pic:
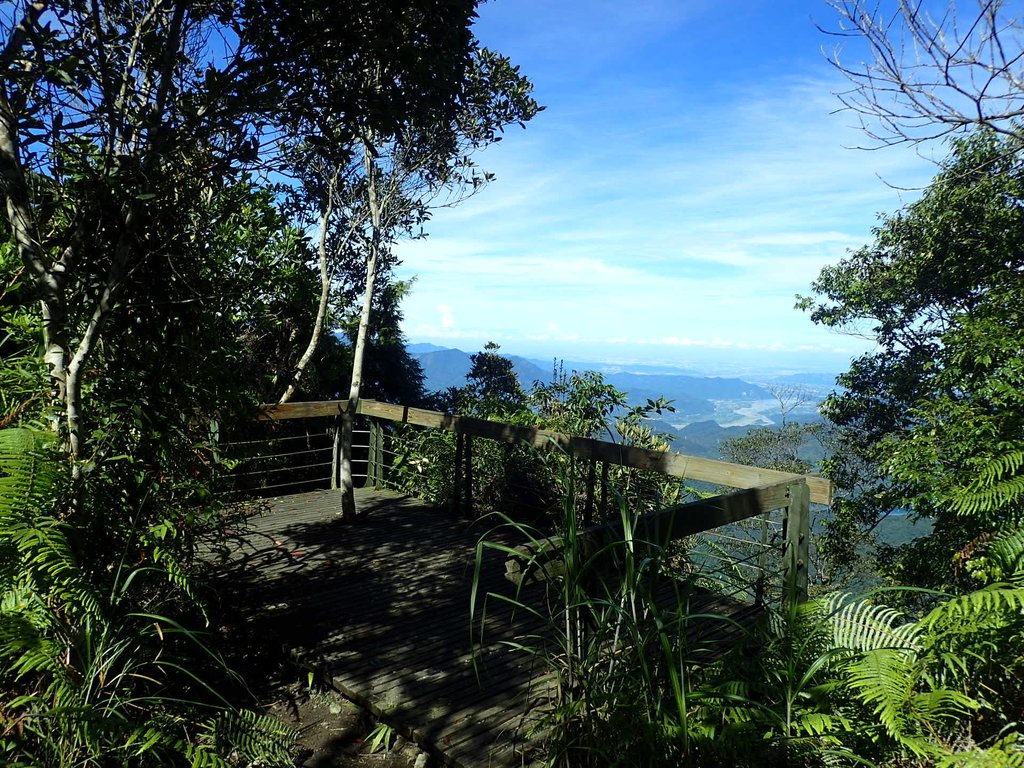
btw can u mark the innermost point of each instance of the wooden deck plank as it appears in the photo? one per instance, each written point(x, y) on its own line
point(381, 608)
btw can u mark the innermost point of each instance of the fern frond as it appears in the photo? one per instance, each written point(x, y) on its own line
point(26, 475)
point(256, 738)
point(819, 724)
point(48, 562)
point(984, 758)
point(941, 703)
point(176, 574)
point(964, 615)
point(999, 483)
point(37, 541)
point(861, 625)
point(25, 648)
point(884, 679)
point(989, 498)
point(1007, 463)
point(203, 756)
point(1003, 559)
point(1007, 752)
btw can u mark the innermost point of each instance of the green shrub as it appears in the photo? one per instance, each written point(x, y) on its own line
point(838, 680)
point(95, 667)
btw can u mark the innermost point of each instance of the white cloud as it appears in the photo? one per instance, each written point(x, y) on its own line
point(447, 317)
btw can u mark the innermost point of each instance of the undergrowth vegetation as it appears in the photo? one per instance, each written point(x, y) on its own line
point(109, 666)
point(527, 484)
point(636, 673)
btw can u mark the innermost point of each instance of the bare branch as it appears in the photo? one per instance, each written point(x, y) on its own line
point(928, 77)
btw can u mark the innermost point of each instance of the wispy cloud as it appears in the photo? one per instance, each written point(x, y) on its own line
point(640, 215)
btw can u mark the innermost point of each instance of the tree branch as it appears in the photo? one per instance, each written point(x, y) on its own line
point(929, 78)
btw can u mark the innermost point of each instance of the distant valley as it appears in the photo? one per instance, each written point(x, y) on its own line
point(708, 409)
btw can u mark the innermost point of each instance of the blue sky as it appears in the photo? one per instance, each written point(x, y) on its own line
point(688, 177)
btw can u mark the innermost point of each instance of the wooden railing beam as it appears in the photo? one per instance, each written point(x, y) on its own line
point(666, 462)
point(659, 528)
point(765, 489)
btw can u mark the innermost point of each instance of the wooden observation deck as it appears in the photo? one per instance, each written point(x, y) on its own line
point(381, 607)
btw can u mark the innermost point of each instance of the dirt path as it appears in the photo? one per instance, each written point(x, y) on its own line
point(335, 732)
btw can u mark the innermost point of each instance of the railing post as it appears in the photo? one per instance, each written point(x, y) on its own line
point(467, 475)
point(604, 490)
point(588, 510)
point(375, 459)
point(462, 486)
point(798, 515)
point(215, 439)
point(335, 453)
point(762, 561)
point(460, 443)
point(382, 463)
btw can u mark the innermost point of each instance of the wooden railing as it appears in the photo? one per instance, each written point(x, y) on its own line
point(666, 462)
point(762, 491)
point(539, 559)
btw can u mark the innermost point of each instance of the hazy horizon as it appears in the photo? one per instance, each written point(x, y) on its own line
point(736, 362)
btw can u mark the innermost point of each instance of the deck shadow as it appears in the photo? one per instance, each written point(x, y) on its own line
point(381, 607)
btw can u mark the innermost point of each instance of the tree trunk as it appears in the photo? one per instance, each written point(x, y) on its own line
point(49, 280)
point(325, 293)
point(348, 500)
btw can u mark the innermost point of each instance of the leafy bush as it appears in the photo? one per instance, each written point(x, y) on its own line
point(94, 672)
point(523, 482)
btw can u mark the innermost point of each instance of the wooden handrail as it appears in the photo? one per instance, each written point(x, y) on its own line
point(540, 559)
point(667, 462)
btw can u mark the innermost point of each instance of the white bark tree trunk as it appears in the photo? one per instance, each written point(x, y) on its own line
point(65, 360)
point(348, 501)
point(325, 293)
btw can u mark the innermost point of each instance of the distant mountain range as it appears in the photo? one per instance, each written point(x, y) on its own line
point(708, 409)
point(701, 402)
point(693, 396)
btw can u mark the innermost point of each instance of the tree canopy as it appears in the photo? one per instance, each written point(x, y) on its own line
point(156, 281)
point(931, 420)
point(119, 122)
